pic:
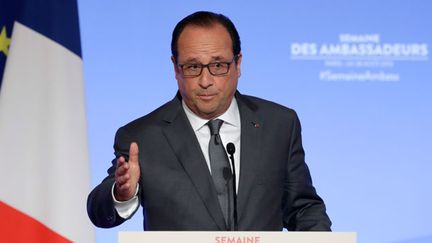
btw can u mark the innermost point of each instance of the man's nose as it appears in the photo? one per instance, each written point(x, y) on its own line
point(206, 79)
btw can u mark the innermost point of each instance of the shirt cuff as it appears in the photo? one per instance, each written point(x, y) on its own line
point(126, 209)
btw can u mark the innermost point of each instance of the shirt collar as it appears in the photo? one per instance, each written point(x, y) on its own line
point(231, 116)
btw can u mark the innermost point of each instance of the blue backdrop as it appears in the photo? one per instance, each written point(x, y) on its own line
point(357, 72)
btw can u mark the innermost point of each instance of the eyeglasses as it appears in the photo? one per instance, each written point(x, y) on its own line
point(215, 68)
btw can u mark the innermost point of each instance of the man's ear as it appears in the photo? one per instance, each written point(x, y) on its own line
point(238, 64)
point(176, 68)
point(173, 60)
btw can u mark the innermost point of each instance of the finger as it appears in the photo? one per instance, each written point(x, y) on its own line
point(120, 161)
point(122, 168)
point(123, 188)
point(133, 153)
point(122, 179)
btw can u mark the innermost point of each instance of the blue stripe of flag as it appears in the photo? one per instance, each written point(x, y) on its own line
point(55, 19)
point(7, 17)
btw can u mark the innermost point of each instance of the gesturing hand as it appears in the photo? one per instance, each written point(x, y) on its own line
point(127, 175)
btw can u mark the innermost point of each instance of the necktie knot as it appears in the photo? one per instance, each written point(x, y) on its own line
point(215, 126)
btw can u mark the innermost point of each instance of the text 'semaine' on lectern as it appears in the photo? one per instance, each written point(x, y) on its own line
point(236, 237)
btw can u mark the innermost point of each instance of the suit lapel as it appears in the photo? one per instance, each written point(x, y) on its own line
point(251, 131)
point(181, 136)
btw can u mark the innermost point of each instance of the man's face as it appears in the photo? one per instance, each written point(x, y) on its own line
point(207, 96)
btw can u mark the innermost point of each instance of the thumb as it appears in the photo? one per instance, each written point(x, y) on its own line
point(133, 153)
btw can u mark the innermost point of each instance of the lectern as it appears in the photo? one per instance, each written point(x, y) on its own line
point(236, 237)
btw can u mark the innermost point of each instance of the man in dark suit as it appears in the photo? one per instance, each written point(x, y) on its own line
point(180, 176)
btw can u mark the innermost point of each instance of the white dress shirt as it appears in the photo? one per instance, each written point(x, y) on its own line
point(230, 131)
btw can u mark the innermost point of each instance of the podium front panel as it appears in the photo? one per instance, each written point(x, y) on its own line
point(236, 237)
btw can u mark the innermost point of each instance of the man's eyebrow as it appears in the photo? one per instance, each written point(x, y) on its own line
point(218, 58)
point(197, 60)
point(192, 59)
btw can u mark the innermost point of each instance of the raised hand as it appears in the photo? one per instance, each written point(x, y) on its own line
point(127, 175)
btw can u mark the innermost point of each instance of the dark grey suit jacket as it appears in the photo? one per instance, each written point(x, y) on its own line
point(176, 188)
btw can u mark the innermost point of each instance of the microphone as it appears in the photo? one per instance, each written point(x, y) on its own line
point(231, 150)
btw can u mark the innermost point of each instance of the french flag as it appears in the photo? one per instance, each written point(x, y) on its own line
point(44, 165)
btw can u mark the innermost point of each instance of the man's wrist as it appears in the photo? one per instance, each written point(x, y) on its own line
point(119, 200)
point(126, 209)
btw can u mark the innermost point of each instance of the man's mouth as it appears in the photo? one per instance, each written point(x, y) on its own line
point(206, 96)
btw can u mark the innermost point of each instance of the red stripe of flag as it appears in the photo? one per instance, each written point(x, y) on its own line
point(17, 227)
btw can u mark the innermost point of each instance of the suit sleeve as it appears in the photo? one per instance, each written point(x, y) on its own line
point(100, 204)
point(303, 209)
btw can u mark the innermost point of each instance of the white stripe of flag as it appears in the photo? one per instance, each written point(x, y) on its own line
point(43, 141)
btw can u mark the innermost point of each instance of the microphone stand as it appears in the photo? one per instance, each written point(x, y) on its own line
point(231, 151)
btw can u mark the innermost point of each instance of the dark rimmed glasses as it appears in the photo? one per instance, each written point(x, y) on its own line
point(191, 70)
